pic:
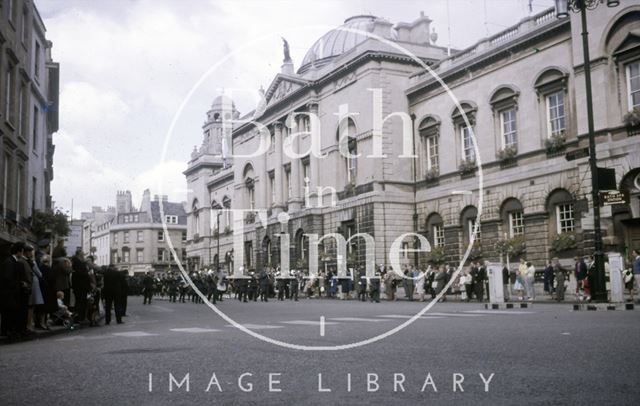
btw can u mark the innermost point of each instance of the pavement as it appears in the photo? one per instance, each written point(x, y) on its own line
point(457, 353)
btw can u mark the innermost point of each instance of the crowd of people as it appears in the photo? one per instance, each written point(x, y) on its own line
point(37, 291)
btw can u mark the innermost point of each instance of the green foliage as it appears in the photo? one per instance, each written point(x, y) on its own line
point(476, 251)
point(632, 118)
point(563, 242)
point(46, 223)
point(436, 256)
point(555, 143)
point(507, 153)
point(467, 167)
point(515, 246)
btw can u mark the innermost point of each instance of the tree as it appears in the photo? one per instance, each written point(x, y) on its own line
point(47, 223)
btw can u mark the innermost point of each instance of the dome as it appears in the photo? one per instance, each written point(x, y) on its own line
point(344, 38)
point(223, 102)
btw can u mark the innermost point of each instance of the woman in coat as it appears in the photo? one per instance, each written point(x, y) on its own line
point(561, 275)
point(441, 282)
point(62, 271)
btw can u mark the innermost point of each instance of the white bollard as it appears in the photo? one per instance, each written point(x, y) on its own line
point(616, 265)
point(496, 288)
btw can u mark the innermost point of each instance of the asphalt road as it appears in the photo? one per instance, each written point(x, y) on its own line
point(543, 355)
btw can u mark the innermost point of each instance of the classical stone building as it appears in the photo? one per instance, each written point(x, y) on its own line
point(134, 239)
point(520, 96)
point(29, 85)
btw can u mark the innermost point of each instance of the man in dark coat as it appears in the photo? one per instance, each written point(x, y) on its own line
point(362, 285)
point(480, 280)
point(147, 284)
point(374, 289)
point(114, 291)
point(580, 273)
point(13, 288)
point(264, 286)
point(253, 287)
point(81, 284)
point(294, 287)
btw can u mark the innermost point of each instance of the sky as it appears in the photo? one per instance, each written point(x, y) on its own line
point(132, 68)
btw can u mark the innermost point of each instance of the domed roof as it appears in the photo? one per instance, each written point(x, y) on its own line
point(342, 39)
point(223, 102)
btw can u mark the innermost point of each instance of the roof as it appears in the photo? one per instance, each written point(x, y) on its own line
point(169, 209)
point(343, 39)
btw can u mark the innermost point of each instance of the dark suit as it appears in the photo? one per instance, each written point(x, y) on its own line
point(81, 284)
point(114, 291)
point(10, 295)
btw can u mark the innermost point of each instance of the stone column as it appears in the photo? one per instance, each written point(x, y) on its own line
point(536, 230)
point(314, 175)
point(296, 177)
point(279, 171)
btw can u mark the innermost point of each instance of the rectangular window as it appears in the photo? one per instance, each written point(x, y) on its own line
point(139, 236)
point(34, 138)
point(633, 84)
point(405, 250)
point(272, 145)
point(8, 98)
point(468, 152)
point(139, 256)
point(21, 102)
point(160, 236)
point(161, 255)
point(509, 129)
point(287, 178)
point(115, 238)
point(125, 237)
point(352, 244)
point(516, 223)
point(431, 146)
point(556, 113)
point(272, 187)
point(24, 31)
point(248, 253)
point(564, 216)
point(184, 236)
point(34, 190)
point(5, 183)
point(352, 163)
point(438, 235)
point(125, 256)
point(171, 219)
point(252, 198)
point(36, 64)
point(19, 192)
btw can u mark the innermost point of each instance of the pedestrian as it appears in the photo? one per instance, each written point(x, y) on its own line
point(62, 271)
point(518, 287)
point(80, 284)
point(147, 288)
point(441, 282)
point(635, 255)
point(560, 279)
point(529, 281)
point(468, 285)
point(362, 285)
point(419, 278)
point(389, 287)
point(264, 286)
point(294, 287)
point(36, 298)
point(12, 289)
point(481, 278)
point(506, 287)
point(580, 272)
point(374, 289)
point(113, 293)
point(548, 279)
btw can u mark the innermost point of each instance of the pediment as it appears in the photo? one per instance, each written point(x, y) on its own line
point(631, 41)
point(282, 86)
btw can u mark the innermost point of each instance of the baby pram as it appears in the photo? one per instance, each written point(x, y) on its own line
point(63, 318)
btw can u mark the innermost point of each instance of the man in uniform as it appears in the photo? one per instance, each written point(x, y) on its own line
point(264, 286)
point(253, 287)
point(362, 285)
point(294, 287)
point(374, 288)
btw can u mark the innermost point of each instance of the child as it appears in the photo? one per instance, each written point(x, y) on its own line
point(63, 312)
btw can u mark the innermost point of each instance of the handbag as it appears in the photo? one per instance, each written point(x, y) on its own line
point(434, 285)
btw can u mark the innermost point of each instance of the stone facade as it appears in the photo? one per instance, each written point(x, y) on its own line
point(519, 93)
point(29, 85)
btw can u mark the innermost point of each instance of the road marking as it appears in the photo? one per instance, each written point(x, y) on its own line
point(356, 319)
point(455, 315)
point(566, 334)
point(497, 312)
point(321, 326)
point(134, 334)
point(194, 330)
point(156, 308)
point(256, 326)
point(402, 316)
point(308, 322)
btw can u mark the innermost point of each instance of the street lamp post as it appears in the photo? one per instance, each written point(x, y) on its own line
point(598, 290)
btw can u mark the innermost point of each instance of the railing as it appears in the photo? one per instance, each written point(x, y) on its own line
point(544, 18)
point(504, 35)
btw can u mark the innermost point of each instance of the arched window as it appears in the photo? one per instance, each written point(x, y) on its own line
point(504, 102)
point(348, 147)
point(429, 130)
point(435, 229)
point(512, 215)
point(561, 207)
point(267, 248)
point(468, 220)
point(226, 204)
point(551, 86)
point(465, 129)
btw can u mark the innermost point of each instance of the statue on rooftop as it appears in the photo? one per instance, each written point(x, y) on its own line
point(285, 46)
